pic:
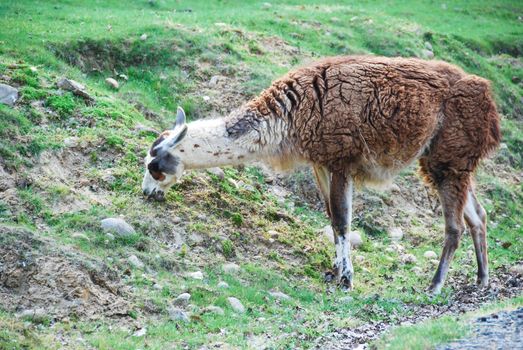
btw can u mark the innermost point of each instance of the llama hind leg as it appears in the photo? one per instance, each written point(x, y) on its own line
point(452, 194)
point(341, 216)
point(323, 179)
point(476, 219)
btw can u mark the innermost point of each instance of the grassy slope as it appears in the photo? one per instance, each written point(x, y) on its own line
point(185, 48)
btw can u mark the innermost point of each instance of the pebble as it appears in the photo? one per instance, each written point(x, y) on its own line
point(214, 80)
point(143, 37)
point(214, 310)
point(273, 234)
point(182, 299)
point(198, 275)
point(434, 262)
point(112, 83)
point(359, 258)
point(266, 5)
point(223, 285)
point(279, 295)
point(206, 98)
point(109, 236)
point(417, 270)
point(218, 172)
point(80, 236)
point(346, 299)
point(8, 94)
point(517, 269)
point(176, 314)
point(427, 54)
point(236, 305)
point(231, 268)
point(157, 286)
point(429, 254)
point(135, 262)
point(408, 259)
point(71, 142)
point(355, 239)
point(117, 226)
point(140, 333)
point(396, 233)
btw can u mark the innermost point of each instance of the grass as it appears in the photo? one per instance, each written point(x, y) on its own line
point(229, 219)
point(430, 334)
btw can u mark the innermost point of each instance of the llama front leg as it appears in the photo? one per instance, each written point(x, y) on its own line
point(341, 216)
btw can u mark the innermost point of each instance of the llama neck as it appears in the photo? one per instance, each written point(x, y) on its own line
point(208, 145)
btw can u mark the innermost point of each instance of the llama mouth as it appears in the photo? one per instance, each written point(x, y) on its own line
point(155, 195)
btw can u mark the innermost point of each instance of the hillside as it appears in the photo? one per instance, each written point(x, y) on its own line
point(71, 158)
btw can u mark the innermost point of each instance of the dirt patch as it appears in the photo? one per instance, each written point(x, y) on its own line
point(37, 278)
point(466, 297)
point(500, 330)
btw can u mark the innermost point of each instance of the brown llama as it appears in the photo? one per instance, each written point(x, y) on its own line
point(355, 120)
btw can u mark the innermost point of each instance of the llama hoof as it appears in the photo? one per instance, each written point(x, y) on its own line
point(345, 283)
point(434, 289)
point(483, 283)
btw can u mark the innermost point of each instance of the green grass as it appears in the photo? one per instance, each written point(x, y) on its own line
point(430, 334)
point(250, 44)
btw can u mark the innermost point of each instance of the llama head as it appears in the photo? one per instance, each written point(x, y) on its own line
point(162, 167)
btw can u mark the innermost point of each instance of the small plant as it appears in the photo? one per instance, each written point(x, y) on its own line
point(228, 248)
point(237, 219)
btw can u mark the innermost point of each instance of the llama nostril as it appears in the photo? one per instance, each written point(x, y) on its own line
point(145, 192)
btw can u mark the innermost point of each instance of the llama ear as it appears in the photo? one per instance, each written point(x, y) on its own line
point(170, 143)
point(180, 117)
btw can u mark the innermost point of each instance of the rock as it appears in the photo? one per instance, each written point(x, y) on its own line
point(157, 286)
point(279, 295)
point(142, 128)
point(117, 226)
point(123, 76)
point(329, 233)
point(517, 269)
point(135, 262)
point(182, 299)
point(109, 236)
point(394, 188)
point(359, 258)
point(218, 172)
point(176, 314)
point(427, 54)
point(143, 37)
point(355, 239)
point(112, 83)
point(429, 254)
point(236, 305)
point(223, 285)
point(214, 79)
point(8, 94)
point(33, 69)
point(273, 233)
point(396, 233)
point(75, 87)
point(428, 46)
point(35, 315)
point(140, 333)
point(79, 235)
point(266, 5)
point(434, 262)
point(206, 98)
point(214, 310)
point(346, 299)
point(408, 259)
point(231, 268)
point(417, 270)
point(71, 142)
point(198, 275)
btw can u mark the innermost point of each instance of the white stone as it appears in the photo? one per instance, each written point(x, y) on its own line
point(143, 37)
point(135, 262)
point(112, 83)
point(8, 94)
point(236, 305)
point(355, 239)
point(408, 259)
point(182, 299)
point(176, 314)
point(117, 226)
point(109, 236)
point(279, 295)
point(206, 98)
point(429, 254)
point(140, 333)
point(266, 5)
point(359, 258)
point(434, 262)
point(218, 172)
point(396, 233)
point(214, 310)
point(223, 285)
point(427, 54)
point(517, 269)
point(198, 275)
point(71, 142)
point(231, 268)
point(428, 46)
point(79, 235)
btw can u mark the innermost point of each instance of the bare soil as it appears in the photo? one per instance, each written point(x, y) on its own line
point(40, 279)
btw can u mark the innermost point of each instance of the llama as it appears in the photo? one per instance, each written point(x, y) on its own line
point(357, 120)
